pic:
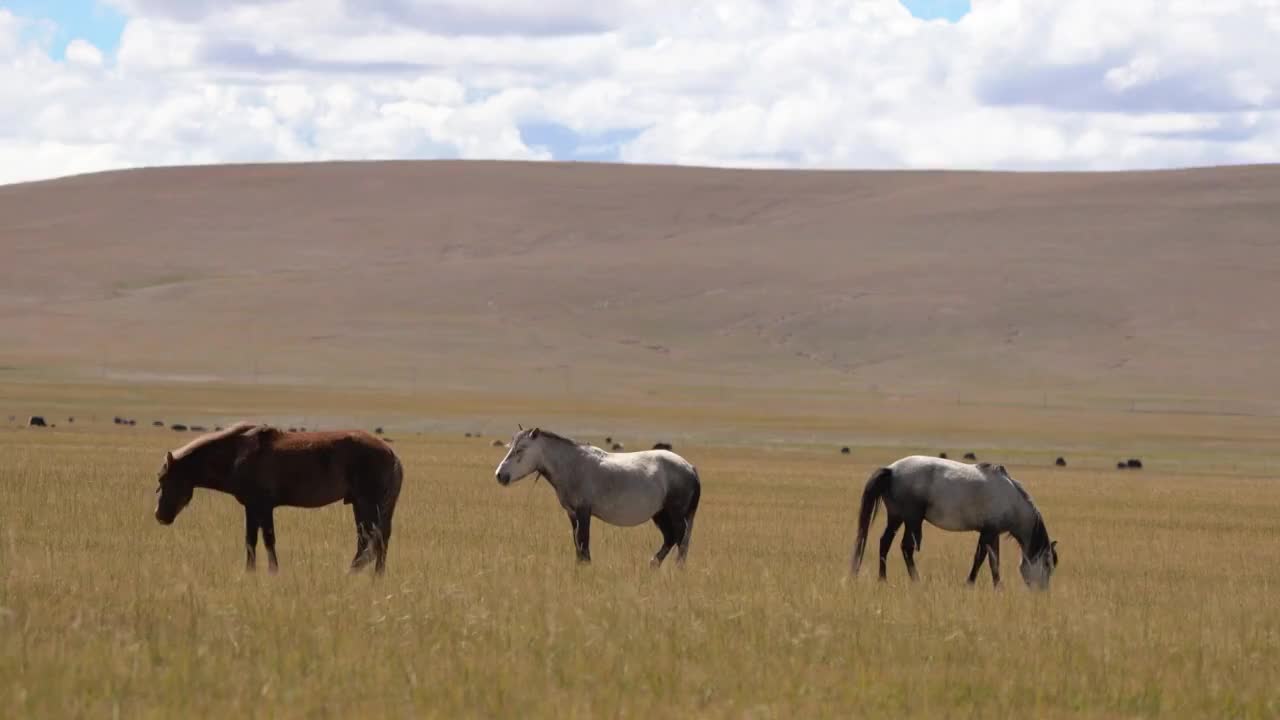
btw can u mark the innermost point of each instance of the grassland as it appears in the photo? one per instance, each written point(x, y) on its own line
point(1164, 604)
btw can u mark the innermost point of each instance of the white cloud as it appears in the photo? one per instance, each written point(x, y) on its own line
point(854, 83)
point(83, 52)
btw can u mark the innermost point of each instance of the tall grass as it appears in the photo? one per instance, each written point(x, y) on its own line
point(1164, 604)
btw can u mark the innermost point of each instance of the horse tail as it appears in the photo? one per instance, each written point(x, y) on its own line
point(691, 511)
point(877, 486)
point(391, 493)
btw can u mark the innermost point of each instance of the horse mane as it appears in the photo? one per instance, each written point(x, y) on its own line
point(1039, 533)
point(560, 438)
point(239, 428)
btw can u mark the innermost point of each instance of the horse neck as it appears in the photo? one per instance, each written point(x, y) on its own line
point(1028, 530)
point(220, 456)
point(560, 463)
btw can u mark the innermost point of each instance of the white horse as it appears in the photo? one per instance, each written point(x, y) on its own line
point(959, 497)
point(624, 489)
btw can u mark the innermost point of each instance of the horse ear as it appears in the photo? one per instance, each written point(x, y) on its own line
point(1000, 469)
point(534, 435)
point(520, 427)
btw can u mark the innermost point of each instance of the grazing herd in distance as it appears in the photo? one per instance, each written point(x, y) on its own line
point(38, 421)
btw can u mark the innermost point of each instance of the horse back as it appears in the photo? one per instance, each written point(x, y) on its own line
point(311, 469)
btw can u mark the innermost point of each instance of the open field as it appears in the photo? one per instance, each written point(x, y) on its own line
point(757, 320)
point(1164, 604)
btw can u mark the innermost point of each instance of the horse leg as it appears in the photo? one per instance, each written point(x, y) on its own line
point(384, 537)
point(886, 542)
point(250, 538)
point(378, 542)
point(581, 520)
point(911, 543)
point(269, 539)
point(993, 556)
point(979, 557)
point(362, 538)
point(666, 523)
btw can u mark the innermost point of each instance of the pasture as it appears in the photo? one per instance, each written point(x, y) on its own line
point(1164, 603)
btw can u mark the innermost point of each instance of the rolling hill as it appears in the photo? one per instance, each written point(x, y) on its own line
point(570, 277)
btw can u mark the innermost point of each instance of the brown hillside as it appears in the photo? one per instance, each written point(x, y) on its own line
point(486, 274)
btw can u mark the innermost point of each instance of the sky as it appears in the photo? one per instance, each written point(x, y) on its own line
point(88, 85)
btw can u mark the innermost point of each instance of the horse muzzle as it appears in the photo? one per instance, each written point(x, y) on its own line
point(504, 479)
point(165, 519)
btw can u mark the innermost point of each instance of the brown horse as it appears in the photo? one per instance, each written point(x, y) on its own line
point(265, 468)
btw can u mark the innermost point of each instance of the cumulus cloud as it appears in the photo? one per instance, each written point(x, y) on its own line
point(83, 52)
point(1027, 84)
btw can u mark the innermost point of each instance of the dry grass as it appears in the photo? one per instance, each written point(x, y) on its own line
point(1164, 604)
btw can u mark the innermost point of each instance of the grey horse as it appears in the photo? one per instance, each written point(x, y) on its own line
point(959, 497)
point(621, 488)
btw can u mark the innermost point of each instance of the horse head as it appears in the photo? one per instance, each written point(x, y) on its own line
point(1038, 566)
point(174, 489)
point(523, 457)
point(209, 461)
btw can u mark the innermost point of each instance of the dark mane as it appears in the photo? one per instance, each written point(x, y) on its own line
point(560, 438)
point(1039, 533)
point(205, 440)
point(1039, 538)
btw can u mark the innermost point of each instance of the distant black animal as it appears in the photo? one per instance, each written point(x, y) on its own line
point(942, 455)
point(970, 456)
point(1060, 462)
point(662, 446)
point(498, 443)
point(293, 429)
point(157, 423)
point(197, 428)
point(1121, 466)
point(1134, 463)
point(617, 447)
point(845, 450)
point(71, 419)
point(468, 434)
point(36, 421)
point(217, 428)
point(377, 430)
point(608, 440)
point(117, 420)
point(132, 423)
point(178, 427)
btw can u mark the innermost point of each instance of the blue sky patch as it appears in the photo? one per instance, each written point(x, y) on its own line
point(70, 19)
point(951, 10)
point(566, 144)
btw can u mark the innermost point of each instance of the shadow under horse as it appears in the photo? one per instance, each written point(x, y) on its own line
point(264, 468)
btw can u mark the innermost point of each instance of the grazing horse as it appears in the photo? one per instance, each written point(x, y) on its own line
point(958, 497)
point(265, 468)
point(623, 489)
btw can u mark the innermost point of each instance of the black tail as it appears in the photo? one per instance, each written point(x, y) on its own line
point(682, 546)
point(877, 486)
point(688, 515)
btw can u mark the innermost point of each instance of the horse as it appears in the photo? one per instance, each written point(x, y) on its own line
point(622, 489)
point(957, 497)
point(265, 468)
